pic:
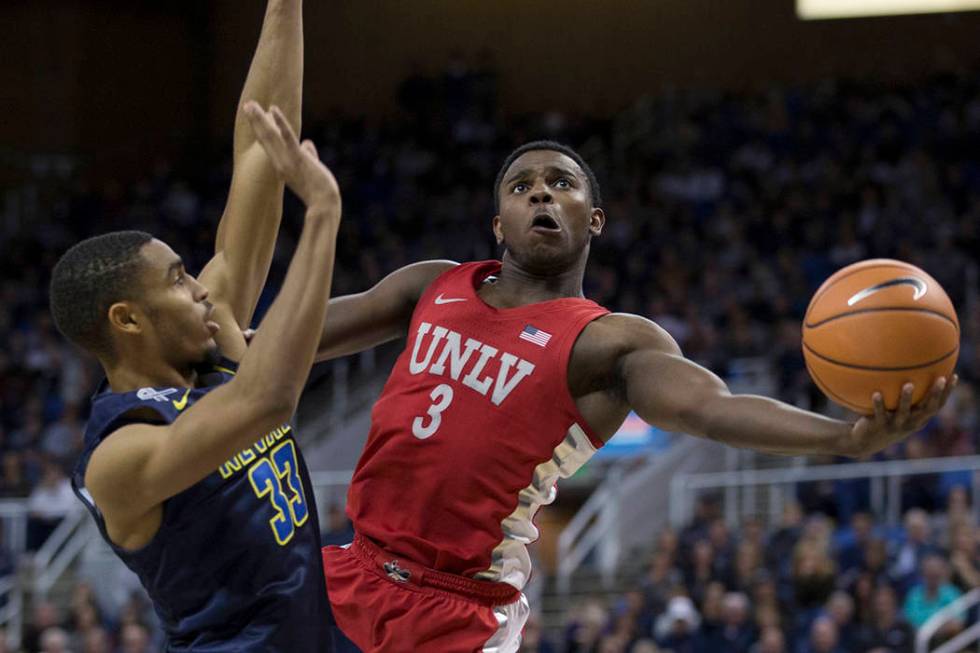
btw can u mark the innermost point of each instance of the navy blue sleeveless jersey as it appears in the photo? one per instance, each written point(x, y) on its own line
point(236, 563)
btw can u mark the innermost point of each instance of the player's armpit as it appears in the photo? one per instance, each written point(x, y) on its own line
point(370, 318)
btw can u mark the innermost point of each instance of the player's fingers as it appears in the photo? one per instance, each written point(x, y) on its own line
point(310, 148)
point(940, 393)
point(879, 407)
point(265, 129)
point(287, 131)
point(905, 403)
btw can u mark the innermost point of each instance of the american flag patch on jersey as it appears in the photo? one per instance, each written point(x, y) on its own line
point(537, 336)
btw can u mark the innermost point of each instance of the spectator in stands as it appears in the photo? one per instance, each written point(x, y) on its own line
point(736, 633)
point(964, 557)
point(661, 581)
point(62, 440)
point(585, 626)
point(931, 595)
point(45, 615)
point(96, 641)
point(677, 628)
point(814, 578)
point(748, 563)
point(54, 640)
point(824, 638)
point(645, 646)
point(915, 546)
point(920, 491)
point(533, 640)
point(13, 483)
point(873, 566)
point(840, 608)
point(84, 619)
point(706, 510)
point(887, 629)
point(48, 504)
point(771, 640)
point(135, 638)
point(701, 571)
point(779, 553)
point(712, 609)
point(723, 547)
point(850, 542)
point(958, 513)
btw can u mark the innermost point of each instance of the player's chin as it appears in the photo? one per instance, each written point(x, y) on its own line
point(211, 353)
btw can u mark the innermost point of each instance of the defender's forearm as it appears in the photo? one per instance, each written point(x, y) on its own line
point(276, 73)
point(281, 353)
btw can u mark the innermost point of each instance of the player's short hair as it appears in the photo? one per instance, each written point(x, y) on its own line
point(88, 279)
point(553, 146)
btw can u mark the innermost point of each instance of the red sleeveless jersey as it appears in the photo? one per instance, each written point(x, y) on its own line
point(473, 429)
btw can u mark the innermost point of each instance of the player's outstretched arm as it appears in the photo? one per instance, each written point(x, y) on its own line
point(247, 232)
point(671, 392)
point(375, 316)
point(139, 466)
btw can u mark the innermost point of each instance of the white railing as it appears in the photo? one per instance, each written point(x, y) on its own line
point(607, 522)
point(62, 548)
point(885, 479)
point(13, 513)
point(952, 612)
point(585, 532)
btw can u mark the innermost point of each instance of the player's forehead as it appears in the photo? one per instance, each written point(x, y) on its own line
point(537, 162)
point(159, 259)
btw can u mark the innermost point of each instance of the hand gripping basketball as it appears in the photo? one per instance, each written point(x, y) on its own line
point(883, 428)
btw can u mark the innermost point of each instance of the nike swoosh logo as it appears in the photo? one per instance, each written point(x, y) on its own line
point(179, 405)
point(448, 300)
point(918, 284)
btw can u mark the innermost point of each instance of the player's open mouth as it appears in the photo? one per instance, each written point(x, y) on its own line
point(544, 222)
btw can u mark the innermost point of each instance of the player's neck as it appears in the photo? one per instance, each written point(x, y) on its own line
point(125, 378)
point(517, 286)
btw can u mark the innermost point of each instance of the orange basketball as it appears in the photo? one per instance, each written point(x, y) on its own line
point(874, 326)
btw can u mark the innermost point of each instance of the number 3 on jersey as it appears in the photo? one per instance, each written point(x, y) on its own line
point(272, 476)
point(442, 396)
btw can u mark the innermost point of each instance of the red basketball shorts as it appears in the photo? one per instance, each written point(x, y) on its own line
point(386, 604)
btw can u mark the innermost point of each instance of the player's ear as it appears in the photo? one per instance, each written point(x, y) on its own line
point(597, 221)
point(125, 318)
point(498, 231)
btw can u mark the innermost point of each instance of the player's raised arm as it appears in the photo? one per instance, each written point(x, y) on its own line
point(375, 316)
point(141, 465)
point(247, 232)
point(671, 392)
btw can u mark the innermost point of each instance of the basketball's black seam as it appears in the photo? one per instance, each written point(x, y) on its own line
point(878, 368)
point(880, 310)
point(850, 405)
point(850, 274)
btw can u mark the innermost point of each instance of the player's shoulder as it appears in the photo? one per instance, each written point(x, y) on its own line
point(628, 332)
point(411, 281)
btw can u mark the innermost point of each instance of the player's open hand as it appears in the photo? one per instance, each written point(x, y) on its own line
point(297, 163)
point(875, 432)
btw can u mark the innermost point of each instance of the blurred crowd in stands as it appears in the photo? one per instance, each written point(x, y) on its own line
point(809, 585)
point(725, 211)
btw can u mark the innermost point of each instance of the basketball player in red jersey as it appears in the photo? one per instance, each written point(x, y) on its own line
point(511, 379)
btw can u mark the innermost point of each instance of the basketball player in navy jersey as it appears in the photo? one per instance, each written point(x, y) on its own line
point(190, 468)
point(510, 380)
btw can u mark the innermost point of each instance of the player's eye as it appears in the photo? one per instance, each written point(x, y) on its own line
point(519, 187)
point(180, 279)
point(563, 183)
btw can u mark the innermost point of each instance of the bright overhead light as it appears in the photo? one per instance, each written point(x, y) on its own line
point(820, 9)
